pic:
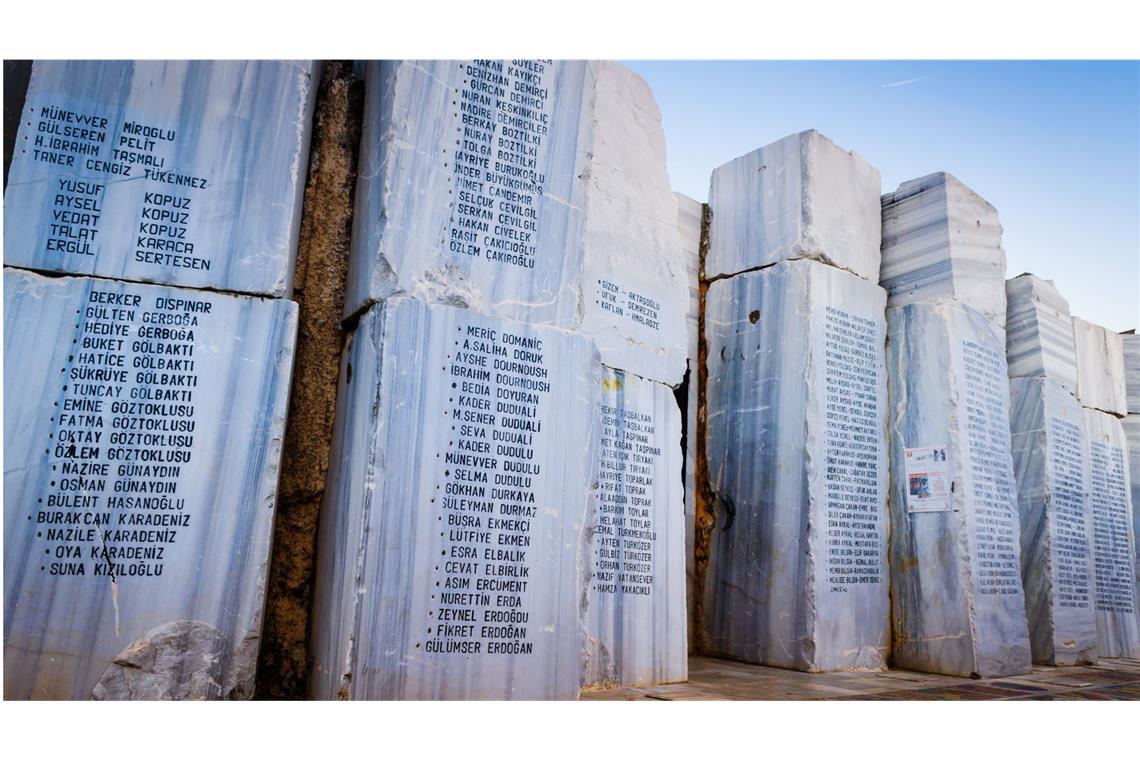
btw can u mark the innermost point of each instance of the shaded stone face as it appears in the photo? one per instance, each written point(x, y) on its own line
point(1130, 345)
point(802, 197)
point(1100, 368)
point(635, 605)
point(453, 541)
point(958, 605)
point(941, 240)
point(1039, 332)
point(183, 173)
point(796, 406)
point(142, 442)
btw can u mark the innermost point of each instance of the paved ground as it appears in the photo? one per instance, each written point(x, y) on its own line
point(722, 679)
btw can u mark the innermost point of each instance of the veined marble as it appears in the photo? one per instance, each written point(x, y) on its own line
point(942, 240)
point(1131, 425)
point(689, 228)
point(1039, 332)
point(635, 279)
point(1100, 368)
point(142, 441)
point(472, 186)
point(454, 542)
point(797, 409)
point(1050, 461)
point(185, 173)
point(1131, 347)
point(636, 632)
point(1114, 539)
point(802, 197)
point(957, 601)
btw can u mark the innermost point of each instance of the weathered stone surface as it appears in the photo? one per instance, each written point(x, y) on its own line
point(453, 549)
point(1114, 540)
point(635, 619)
point(1050, 462)
point(689, 214)
point(1131, 425)
point(957, 601)
point(802, 197)
point(796, 404)
point(449, 147)
point(177, 172)
point(942, 240)
point(1039, 332)
point(634, 280)
point(1131, 348)
point(142, 439)
point(1100, 368)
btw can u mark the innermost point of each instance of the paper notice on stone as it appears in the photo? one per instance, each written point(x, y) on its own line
point(635, 619)
point(1050, 461)
point(927, 479)
point(472, 185)
point(1100, 368)
point(1039, 332)
point(635, 281)
point(797, 407)
point(957, 601)
point(184, 173)
point(453, 544)
point(142, 439)
point(802, 197)
point(942, 240)
point(1114, 539)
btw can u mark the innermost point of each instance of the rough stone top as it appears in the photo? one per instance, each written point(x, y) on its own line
point(942, 179)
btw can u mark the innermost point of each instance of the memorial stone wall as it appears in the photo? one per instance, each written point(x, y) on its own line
point(1131, 423)
point(796, 410)
point(144, 429)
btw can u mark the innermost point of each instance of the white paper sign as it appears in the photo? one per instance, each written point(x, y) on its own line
point(927, 480)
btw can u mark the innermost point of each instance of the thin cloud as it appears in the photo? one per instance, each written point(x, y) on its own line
point(905, 82)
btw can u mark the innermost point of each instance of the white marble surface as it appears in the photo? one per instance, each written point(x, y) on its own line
point(422, 593)
point(185, 173)
point(1131, 425)
point(635, 279)
point(1050, 462)
point(466, 196)
point(801, 197)
point(636, 631)
point(942, 240)
point(1100, 368)
point(1039, 332)
point(1114, 538)
point(1131, 346)
point(957, 601)
point(797, 409)
point(142, 440)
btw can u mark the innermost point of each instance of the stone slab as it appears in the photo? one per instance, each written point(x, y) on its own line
point(801, 197)
point(957, 601)
point(797, 406)
point(1100, 368)
point(1114, 538)
point(1131, 425)
point(1050, 462)
point(635, 280)
point(447, 148)
point(458, 500)
point(1131, 347)
point(1039, 332)
point(636, 631)
point(185, 173)
point(142, 440)
point(942, 240)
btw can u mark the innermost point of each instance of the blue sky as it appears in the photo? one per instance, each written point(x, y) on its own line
point(1054, 146)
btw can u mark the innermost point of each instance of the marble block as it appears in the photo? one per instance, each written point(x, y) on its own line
point(635, 280)
point(802, 197)
point(1114, 539)
point(1130, 343)
point(1039, 332)
point(453, 548)
point(942, 240)
point(1100, 368)
point(472, 185)
point(142, 441)
point(183, 173)
point(1050, 462)
point(957, 601)
point(636, 632)
point(797, 406)
point(1131, 425)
